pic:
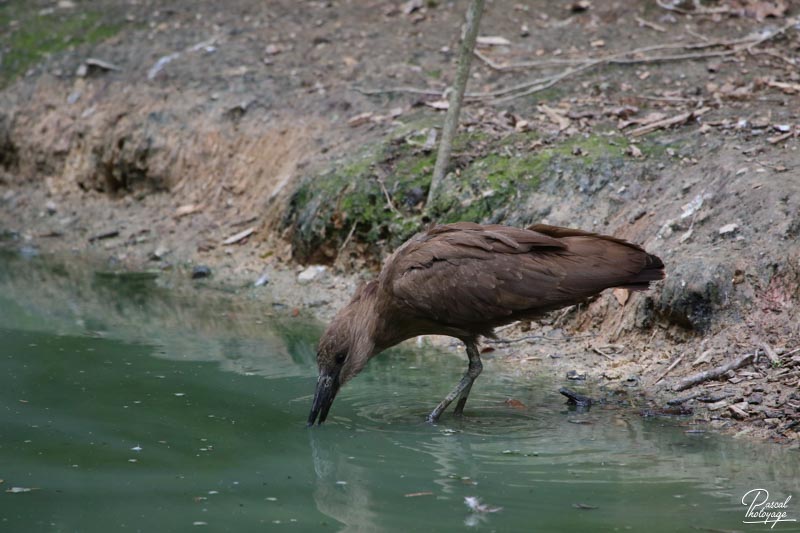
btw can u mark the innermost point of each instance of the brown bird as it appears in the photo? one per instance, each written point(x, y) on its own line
point(465, 279)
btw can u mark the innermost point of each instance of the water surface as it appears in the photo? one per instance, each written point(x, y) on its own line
point(130, 405)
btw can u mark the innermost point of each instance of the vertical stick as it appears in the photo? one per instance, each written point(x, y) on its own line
point(456, 97)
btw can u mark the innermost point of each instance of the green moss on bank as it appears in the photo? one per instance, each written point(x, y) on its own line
point(30, 32)
point(378, 196)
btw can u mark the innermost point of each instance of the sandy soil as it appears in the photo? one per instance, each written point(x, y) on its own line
point(215, 115)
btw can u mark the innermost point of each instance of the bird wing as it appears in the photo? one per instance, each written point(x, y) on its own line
point(467, 274)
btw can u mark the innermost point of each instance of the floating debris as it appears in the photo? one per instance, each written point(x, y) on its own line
point(583, 506)
point(475, 505)
point(19, 490)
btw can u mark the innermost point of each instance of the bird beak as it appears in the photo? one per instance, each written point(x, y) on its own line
point(327, 387)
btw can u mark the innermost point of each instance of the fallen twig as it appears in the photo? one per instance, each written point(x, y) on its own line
point(773, 357)
point(714, 373)
point(670, 367)
point(349, 236)
point(601, 352)
point(667, 122)
point(411, 90)
point(684, 399)
point(629, 56)
point(386, 195)
point(238, 237)
point(553, 81)
point(105, 235)
point(697, 11)
point(651, 25)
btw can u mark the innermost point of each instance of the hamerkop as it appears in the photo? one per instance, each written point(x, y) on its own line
point(465, 279)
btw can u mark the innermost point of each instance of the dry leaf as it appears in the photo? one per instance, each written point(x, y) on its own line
point(358, 120)
point(634, 152)
point(188, 209)
point(556, 117)
point(441, 105)
point(516, 404)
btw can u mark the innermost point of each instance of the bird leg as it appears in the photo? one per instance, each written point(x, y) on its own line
point(464, 386)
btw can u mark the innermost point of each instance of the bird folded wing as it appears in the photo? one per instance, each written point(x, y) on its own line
point(470, 274)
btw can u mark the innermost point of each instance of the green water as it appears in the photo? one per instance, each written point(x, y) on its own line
point(143, 405)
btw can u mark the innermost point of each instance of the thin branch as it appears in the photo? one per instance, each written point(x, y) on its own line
point(673, 99)
point(675, 363)
point(714, 373)
point(349, 236)
point(578, 65)
point(528, 64)
point(618, 57)
point(553, 81)
point(386, 195)
point(410, 90)
point(697, 11)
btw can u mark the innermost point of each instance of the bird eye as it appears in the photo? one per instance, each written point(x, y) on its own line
point(340, 357)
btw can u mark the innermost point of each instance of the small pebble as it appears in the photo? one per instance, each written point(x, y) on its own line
point(201, 271)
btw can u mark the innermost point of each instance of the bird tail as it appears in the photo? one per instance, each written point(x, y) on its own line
point(653, 271)
point(639, 280)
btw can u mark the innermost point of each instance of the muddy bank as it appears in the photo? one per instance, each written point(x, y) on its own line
point(236, 140)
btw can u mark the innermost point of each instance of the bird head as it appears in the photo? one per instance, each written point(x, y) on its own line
point(343, 351)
